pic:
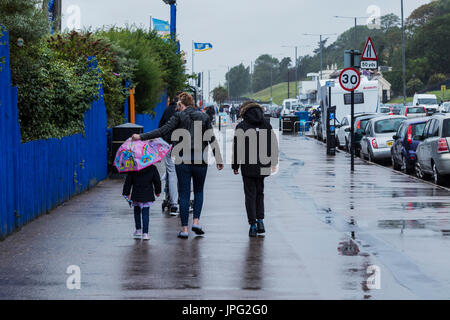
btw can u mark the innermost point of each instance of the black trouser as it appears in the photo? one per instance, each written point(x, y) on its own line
point(254, 198)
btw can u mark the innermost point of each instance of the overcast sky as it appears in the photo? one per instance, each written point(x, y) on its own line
point(240, 30)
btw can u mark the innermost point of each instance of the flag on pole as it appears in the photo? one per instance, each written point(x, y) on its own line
point(200, 47)
point(161, 27)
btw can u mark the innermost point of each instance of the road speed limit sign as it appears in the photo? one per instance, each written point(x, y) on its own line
point(350, 79)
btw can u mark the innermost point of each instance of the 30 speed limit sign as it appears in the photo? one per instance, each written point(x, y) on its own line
point(350, 79)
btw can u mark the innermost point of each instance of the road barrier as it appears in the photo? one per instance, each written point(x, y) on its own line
point(37, 176)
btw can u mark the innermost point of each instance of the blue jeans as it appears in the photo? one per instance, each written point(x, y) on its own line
point(186, 172)
point(145, 218)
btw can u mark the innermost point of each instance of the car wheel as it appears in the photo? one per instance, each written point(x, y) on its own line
point(370, 155)
point(419, 172)
point(338, 143)
point(394, 164)
point(405, 168)
point(436, 176)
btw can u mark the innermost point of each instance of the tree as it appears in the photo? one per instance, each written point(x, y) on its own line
point(220, 94)
point(284, 69)
point(437, 79)
point(238, 80)
point(413, 86)
point(266, 68)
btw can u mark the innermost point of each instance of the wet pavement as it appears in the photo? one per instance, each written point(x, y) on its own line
point(326, 230)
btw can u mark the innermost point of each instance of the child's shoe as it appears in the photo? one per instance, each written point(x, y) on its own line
point(137, 234)
point(145, 237)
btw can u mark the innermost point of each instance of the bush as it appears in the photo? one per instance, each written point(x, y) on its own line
point(113, 61)
point(160, 68)
point(413, 86)
point(54, 94)
point(437, 79)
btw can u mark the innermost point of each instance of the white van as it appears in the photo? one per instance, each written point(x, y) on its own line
point(429, 101)
point(289, 107)
point(367, 100)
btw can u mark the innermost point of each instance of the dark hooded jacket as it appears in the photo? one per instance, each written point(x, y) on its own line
point(255, 145)
point(187, 120)
point(145, 184)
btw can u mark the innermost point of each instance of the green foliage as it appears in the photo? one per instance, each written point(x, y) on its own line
point(431, 43)
point(220, 94)
point(413, 86)
point(159, 67)
point(113, 61)
point(23, 19)
point(437, 79)
point(54, 94)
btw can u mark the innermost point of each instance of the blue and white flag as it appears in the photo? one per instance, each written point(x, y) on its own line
point(200, 47)
point(161, 27)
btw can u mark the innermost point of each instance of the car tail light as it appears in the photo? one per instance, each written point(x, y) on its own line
point(374, 143)
point(406, 112)
point(392, 111)
point(409, 137)
point(442, 146)
point(358, 125)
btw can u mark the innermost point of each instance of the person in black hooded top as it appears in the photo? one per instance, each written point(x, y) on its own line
point(255, 153)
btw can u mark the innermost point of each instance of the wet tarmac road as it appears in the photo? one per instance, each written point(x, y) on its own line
point(314, 206)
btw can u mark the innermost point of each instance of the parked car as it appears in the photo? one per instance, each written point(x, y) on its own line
point(276, 111)
point(433, 153)
point(403, 152)
point(377, 138)
point(343, 131)
point(445, 107)
point(386, 110)
point(414, 112)
point(360, 127)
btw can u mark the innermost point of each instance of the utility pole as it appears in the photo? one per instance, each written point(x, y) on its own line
point(209, 86)
point(296, 66)
point(321, 48)
point(403, 56)
point(229, 83)
point(251, 77)
point(355, 36)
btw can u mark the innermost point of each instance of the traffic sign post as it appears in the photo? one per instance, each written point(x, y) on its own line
point(369, 58)
point(331, 123)
point(350, 79)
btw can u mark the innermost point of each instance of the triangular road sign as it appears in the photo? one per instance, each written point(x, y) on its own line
point(369, 51)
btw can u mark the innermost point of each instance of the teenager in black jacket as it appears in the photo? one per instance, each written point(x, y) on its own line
point(145, 184)
point(255, 152)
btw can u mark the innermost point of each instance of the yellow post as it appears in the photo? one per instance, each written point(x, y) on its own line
point(132, 107)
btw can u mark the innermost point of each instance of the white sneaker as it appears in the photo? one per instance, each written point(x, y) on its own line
point(145, 237)
point(137, 234)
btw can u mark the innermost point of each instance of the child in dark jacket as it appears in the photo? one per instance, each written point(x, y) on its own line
point(143, 185)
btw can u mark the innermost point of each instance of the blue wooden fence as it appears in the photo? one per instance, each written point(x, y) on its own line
point(151, 122)
point(39, 175)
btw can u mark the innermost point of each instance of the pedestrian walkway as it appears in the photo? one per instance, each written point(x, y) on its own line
point(313, 205)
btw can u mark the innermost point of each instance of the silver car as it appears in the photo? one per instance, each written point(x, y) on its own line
point(433, 154)
point(343, 131)
point(378, 137)
point(414, 112)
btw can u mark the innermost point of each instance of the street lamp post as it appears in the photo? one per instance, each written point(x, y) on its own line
point(356, 27)
point(403, 56)
point(321, 48)
point(296, 65)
